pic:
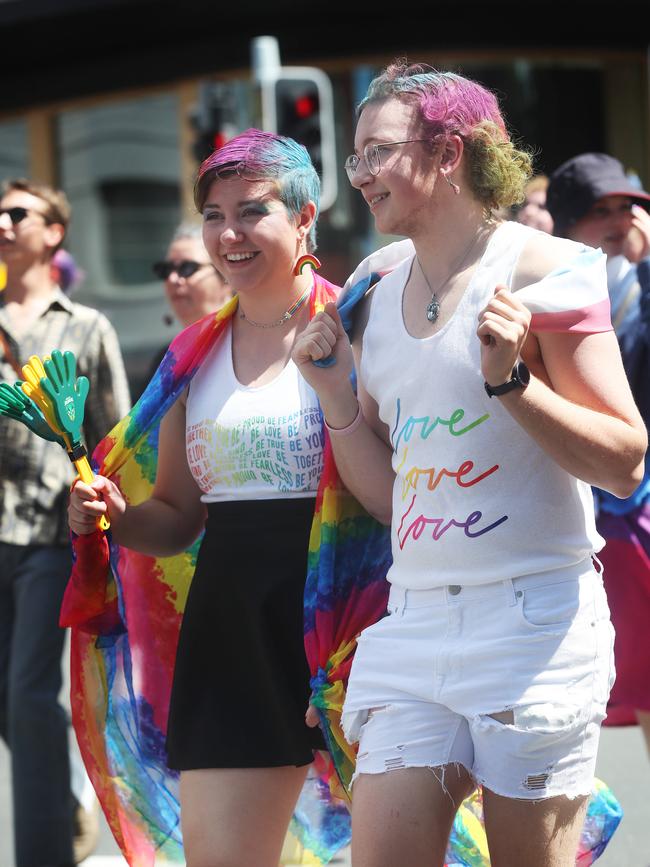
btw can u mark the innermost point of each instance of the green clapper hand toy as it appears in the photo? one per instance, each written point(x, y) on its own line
point(15, 404)
point(51, 404)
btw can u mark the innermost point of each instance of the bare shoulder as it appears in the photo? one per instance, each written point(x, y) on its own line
point(540, 255)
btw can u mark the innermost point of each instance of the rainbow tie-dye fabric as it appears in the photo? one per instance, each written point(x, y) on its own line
point(125, 610)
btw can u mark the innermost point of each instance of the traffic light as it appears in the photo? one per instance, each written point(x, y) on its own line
point(298, 102)
point(210, 120)
point(298, 115)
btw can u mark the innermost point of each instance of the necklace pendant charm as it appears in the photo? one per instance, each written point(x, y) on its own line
point(433, 309)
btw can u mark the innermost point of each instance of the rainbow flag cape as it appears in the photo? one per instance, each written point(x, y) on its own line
point(125, 610)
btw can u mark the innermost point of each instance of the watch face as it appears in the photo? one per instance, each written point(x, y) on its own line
point(522, 374)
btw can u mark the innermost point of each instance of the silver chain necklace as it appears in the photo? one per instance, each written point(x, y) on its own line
point(286, 316)
point(433, 307)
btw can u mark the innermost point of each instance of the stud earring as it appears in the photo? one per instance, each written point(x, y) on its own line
point(304, 261)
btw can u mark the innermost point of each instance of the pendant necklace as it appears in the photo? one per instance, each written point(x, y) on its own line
point(433, 307)
point(286, 316)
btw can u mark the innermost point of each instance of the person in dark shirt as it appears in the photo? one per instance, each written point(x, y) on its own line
point(592, 200)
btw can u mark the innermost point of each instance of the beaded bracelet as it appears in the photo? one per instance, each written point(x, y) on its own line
point(350, 429)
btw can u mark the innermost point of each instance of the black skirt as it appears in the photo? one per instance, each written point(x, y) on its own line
point(241, 681)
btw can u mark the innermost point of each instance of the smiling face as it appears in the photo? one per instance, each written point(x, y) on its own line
point(606, 225)
point(250, 236)
point(400, 196)
point(201, 293)
point(32, 239)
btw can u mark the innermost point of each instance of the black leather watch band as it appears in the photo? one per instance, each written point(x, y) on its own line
point(519, 379)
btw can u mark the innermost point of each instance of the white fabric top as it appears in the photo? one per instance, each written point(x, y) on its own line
point(475, 498)
point(252, 443)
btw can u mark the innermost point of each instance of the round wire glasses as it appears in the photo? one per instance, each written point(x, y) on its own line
point(372, 157)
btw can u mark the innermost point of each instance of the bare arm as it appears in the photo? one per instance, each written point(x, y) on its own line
point(363, 458)
point(165, 524)
point(586, 420)
point(578, 406)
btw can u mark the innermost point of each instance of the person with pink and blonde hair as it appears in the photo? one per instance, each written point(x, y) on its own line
point(491, 395)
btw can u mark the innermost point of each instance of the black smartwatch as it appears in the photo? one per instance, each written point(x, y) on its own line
point(519, 379)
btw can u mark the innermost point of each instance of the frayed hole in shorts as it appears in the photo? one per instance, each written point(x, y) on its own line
point(536, 781)
point(542, 718)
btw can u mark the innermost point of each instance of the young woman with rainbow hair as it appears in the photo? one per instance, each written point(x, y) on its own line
point(241, 455)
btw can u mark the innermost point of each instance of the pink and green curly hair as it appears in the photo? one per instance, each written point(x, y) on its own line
point(450, 104)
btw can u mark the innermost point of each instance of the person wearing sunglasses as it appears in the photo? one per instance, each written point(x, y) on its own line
point(491, 395)
point(36, 316)
point(240, 456)
point(193, 286)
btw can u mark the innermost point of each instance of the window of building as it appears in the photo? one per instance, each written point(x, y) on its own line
point(119, 164)
point(140, 219)
point(14, 151)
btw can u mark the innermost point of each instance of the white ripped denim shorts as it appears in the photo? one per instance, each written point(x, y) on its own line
point(536, 651)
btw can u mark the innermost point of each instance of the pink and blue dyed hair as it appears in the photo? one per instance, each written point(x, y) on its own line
point(448, 103)
point(266, 155)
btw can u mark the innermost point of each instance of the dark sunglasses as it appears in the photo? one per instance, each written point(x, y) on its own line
point(185, 268)
point(17, 214)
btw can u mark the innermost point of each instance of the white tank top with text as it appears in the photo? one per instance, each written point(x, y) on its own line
point(475, 498)
point(248, 443)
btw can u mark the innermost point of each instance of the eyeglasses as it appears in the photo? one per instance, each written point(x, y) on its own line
point(17, 214)
point(372, 156)
point(185, 269)
point(245, 172)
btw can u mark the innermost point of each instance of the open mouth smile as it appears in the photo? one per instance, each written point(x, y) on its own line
point(239, 257)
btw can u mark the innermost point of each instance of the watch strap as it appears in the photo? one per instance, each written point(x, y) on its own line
point(519, 379)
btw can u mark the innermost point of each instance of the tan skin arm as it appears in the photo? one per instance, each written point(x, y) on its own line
point(579, 409)
point(578, 406)
point(165, 524)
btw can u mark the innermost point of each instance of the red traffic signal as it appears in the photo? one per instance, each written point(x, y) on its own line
point(297, 111)
point(305, 106)
point(298, 102)
point(210, 119)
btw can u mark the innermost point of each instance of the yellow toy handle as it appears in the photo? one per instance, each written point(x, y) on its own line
point(86, 475)
point(34, 372)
